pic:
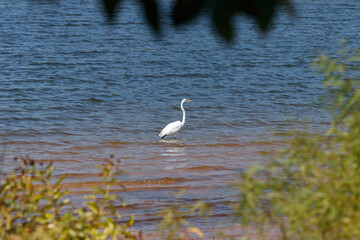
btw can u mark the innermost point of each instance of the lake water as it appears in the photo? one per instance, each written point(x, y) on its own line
point(75, 89)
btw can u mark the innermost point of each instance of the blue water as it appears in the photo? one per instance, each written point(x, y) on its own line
point(75, 89)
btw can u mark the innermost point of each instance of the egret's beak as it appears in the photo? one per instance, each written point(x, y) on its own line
point(188, 100)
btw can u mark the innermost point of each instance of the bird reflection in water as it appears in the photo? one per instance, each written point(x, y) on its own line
point(175, 155)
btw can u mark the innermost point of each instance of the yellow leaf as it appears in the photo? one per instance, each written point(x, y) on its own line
point(28, 182)
point(196, 231)
point(15, 237)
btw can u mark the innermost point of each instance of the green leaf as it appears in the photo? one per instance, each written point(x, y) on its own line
point(93, 207)
point(354, 59)
point(131, 221)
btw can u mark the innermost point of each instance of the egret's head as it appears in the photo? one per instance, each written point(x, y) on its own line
point(186, 100)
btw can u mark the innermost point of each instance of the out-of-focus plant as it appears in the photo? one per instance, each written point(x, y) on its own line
point(32, 207)
point(311, 190)
point(29, 200)
point(174, 224)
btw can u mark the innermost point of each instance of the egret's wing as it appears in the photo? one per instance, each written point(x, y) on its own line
point(171, 129)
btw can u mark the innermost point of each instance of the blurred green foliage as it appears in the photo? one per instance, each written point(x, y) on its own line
point(32, 207)
point(174, 224)
point(311, 190)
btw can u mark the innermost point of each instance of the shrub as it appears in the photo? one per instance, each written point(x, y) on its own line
point(31, 207)
point(311, 190)
point(174, 224)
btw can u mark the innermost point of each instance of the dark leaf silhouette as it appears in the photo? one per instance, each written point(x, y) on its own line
point(261, 10)
point(151, 13)
point(222, 15)
point(110, 7)
point(220, 12)
point(186, 10)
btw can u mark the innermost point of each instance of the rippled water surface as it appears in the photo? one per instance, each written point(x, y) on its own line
point(75, 89)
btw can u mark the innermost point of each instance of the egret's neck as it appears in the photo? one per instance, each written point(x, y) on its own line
point(183, 110)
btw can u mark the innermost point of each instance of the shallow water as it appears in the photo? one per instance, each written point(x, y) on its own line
point(75, 90)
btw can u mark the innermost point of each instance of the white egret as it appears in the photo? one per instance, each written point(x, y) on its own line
point(174, 127)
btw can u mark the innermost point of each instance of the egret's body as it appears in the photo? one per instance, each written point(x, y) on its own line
point(174, 127)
